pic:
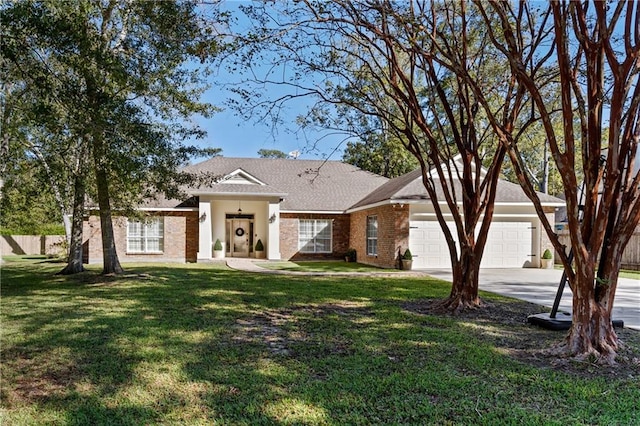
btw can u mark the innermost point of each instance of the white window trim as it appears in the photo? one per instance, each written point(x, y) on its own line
point(315, 234)
point(368, 238)
point(145, 237)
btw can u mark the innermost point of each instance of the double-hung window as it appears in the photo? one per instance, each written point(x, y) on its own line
point(145, 236)
point(372, 235)
point(315, 236)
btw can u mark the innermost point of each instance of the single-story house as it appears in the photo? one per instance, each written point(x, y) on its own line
point(314, 209)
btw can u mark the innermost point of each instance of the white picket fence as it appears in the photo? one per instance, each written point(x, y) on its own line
point(31, 245)
point(630, 257)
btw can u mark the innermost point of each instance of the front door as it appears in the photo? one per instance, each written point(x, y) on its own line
point(240, 233)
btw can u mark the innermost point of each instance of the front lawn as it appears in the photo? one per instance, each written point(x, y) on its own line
point(201, 344)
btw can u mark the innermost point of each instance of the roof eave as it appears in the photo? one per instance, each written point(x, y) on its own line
point(314, 211)
point(241, 194)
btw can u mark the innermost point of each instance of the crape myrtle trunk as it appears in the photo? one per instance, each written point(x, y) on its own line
point(592, 332)
point(464, 289)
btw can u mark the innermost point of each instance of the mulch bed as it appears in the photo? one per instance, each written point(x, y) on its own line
point(531, 344)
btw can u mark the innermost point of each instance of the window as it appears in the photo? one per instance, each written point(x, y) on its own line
point(372, 235)
point(314, 236)
point(145, 237)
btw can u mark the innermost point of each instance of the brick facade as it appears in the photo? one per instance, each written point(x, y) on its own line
point(180, 239)
point(289, 225)
point(393, 234)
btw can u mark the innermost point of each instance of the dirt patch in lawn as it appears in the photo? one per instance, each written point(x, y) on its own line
point(282, 330)
point(504, 324)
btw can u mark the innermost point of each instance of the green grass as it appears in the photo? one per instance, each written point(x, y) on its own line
point(200, 344)
point(634, 275)
point(322, 266)
point(624, 273)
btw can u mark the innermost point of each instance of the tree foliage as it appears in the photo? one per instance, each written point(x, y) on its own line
point(271, 153)
point(118, 76)
point(381, 154)
point(25, 208)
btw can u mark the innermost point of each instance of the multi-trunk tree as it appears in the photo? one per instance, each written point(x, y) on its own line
point(595, 47)
point(121, 72)
point(375, 62)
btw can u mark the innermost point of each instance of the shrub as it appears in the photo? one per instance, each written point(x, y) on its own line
point(407, 255)
point(259, 246)
point(547, 254)
point(351, 255)
point(218, 245)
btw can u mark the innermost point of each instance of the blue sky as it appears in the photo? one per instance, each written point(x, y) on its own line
point(240, 138)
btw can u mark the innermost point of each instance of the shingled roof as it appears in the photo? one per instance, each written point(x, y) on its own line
point(320, 186)
point(304, 185)
point(410, 187)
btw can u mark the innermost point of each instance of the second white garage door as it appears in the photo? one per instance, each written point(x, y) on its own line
point(509, 245)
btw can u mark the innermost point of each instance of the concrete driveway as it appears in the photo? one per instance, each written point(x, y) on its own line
point(540, 286)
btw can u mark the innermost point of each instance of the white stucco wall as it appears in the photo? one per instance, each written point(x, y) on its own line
point(214, 227)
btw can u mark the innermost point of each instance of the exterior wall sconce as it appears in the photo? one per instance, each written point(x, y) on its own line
point(203, 217)
point(272, 218)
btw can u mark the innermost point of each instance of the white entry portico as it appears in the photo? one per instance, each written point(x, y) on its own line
point(239, 211)
point(239, 223)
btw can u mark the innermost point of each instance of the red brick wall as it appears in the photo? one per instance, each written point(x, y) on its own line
point(393, 234)
point(193, 236)
point(289, 236)
point(180, 239)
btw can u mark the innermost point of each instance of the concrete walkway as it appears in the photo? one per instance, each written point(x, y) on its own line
point(533, 285)
point(540, 286)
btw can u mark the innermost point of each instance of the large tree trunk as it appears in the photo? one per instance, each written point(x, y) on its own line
point(74, 260)
point(592, 333)
point(111, 264)
point(464, 288)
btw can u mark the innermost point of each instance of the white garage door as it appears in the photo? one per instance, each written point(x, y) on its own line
point(508, 245)
point(428, 246)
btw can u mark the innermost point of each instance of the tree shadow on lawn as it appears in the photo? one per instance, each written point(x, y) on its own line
point(208, 345)
point(74, 339)
point(86, 336)
point(347, 360)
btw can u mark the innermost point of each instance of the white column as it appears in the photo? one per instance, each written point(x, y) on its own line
point(204, 242)
point(273, 246)
point(537, 242)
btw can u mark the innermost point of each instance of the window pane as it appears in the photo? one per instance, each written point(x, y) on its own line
point(134, 244)
point(372, 235)
point(153, 244)
point(323, 246)
point(145, 237)
point(306, 229)
point(135, 229)
point(306, 246)
point(315, 236)
point(323, 229)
